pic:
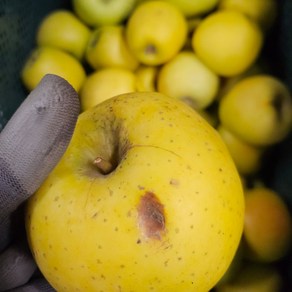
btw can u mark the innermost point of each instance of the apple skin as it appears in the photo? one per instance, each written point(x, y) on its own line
point(155, 32)
point(107, 48)
point(167, 216)
point(63, 30)
point(258, 109)
point(48, 60)
point(99, 12)
point(247, 158)
point(187, 78)
point(192, 8)
point(228, 42)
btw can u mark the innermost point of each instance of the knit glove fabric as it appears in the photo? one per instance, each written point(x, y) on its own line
point(31, 144)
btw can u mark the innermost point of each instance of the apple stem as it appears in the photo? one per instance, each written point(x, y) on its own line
point(104, 166)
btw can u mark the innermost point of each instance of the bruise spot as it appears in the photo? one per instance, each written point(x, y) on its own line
point(151, 216)
point(174, 182)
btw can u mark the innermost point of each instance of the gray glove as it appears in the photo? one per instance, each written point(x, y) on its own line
point(31, 144)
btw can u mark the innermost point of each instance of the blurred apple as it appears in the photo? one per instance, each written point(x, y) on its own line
point(267, 226)
point(45, 60)
point(187, 78)
point(107, 48)
point(262, 12)
point(155, 32)
point(228, 42)
point(247, 158)
point(99, 12)
point(228, 82)
point(105, 83)
point(63, 30)
point(146, 78)
point(258, 109)
point(194, 7)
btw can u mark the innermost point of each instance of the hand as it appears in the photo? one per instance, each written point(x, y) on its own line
point(31, 144)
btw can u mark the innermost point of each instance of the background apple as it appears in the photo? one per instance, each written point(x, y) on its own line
point(247, 158)
point(262, 12)
point(99, 12)
point(268, 225)
point(134, 203)
point(146, 77)
point(105, 83)
point(187, 78)
point(63, 30)
point(45, 60)
point(228, 42)
point(258, 109)
point(198, 7)
point(107, 48)
point(155, 32)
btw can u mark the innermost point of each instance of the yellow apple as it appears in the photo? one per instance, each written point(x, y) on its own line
point(155, 32)
point(247, 158)
point(228, 82)
point(47, 60)
point(63, 30)
point(267, 225)
point(187, 78)
point(258, 109)
point(105, 83)
point(146, 78)
point(233, 270)
point(228, 42)
point(194, 7)
point(100, 12)
point(145, 198)
point(107, 48)
point(263, 12)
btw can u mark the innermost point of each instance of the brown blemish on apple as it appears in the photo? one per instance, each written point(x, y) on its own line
point(151, 216)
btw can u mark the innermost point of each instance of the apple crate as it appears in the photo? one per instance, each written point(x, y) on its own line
point(18, 24)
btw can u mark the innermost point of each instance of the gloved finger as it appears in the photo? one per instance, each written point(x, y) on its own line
point(33, 141)
point(17, 266)
point(35, 285)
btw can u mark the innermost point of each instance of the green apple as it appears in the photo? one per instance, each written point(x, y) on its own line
point(258, 109)
point(107, 48)
point(63, 30)
point(145, 198)
point(48, 60)
point(187, 78)
point(100, 12)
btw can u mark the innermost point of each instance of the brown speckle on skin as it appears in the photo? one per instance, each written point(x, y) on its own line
point(151, 216)
point(174, 182)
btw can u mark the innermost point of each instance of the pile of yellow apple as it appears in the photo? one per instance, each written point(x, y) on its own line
point(206, 54)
